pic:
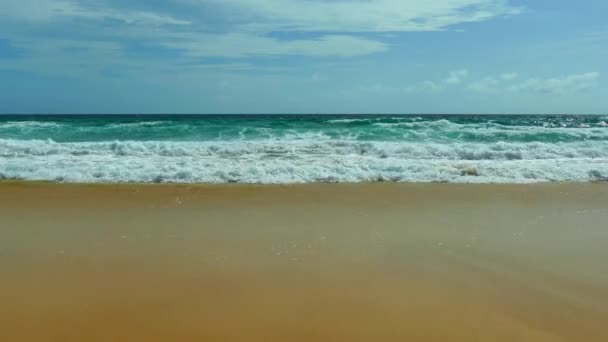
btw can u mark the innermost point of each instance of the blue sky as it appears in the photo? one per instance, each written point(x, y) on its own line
point(303, 56)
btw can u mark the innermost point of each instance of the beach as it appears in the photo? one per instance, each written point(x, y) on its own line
point(315, 262)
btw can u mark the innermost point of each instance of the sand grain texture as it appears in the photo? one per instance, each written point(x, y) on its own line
point(374, 262)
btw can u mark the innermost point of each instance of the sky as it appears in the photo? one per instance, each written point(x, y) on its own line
point(303, 56)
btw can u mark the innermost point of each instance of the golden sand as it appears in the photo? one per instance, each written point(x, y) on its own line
point(367, 262)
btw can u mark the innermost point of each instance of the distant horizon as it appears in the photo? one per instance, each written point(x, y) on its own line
point(299, 114)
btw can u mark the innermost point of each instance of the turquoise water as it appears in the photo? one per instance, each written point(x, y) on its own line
point(300, 149)
point(369, 128)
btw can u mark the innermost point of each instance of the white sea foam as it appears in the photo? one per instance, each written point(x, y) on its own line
point(28, 124)
point(299, 160)
point(139, 124)
point(341, 121)
point(493, 131)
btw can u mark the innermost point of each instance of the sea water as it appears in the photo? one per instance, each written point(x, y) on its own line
point(304, 148)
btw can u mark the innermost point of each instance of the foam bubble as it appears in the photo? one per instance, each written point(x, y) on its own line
point(299, 160)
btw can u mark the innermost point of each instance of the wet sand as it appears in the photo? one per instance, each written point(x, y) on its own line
point(367, 262)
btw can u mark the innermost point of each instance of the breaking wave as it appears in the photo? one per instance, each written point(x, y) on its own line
point(301, 161)
point(301, 149)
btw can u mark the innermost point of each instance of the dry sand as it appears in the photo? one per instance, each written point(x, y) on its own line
point(367, 262)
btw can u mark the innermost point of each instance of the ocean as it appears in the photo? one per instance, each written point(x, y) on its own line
point(284, 149)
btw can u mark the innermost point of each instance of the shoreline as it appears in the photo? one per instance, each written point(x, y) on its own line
point(239, 184)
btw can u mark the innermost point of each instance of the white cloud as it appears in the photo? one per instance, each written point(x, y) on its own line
point(509, 76)
point(423, 87)
point(244, 26)
point(64, 57)
point(251, 20)
point(379, 88)
point(243, 44)
point(457, 76)
point(318, 77)
point(486, 85)
point(454, 77)
point(49, 10)
point(83, 59)
point(362, 15)
point(507, 82)
point(559, 85)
